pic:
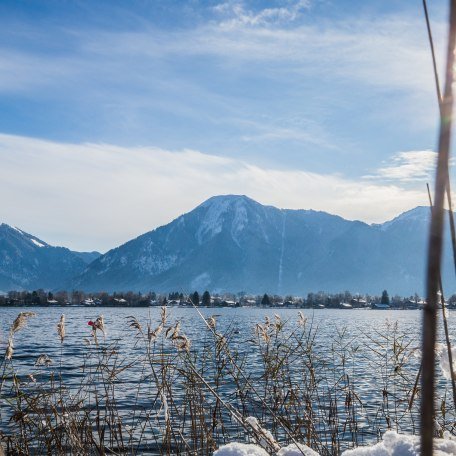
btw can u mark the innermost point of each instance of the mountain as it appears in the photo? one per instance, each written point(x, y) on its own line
point(27, 262)
point(232, 243)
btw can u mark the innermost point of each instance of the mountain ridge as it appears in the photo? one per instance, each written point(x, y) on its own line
point(28, 262)
point(233, 243)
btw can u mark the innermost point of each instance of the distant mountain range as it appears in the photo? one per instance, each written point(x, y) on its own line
point(27, 262)
point(233, 243)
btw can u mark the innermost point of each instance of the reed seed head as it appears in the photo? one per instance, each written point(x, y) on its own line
point(99, 324)
point(163, 315)
point(173, 331)
point(61, 328)
point(9, 349)
point(135, 324)
point(302, 319)
point(21, 321)
point(43, 360)
point(211, 322)
point(152, 335)
point(182, 343)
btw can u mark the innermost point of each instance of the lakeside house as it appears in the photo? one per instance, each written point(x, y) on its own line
point(359, 303)
point(380, 306)
point(345, 305)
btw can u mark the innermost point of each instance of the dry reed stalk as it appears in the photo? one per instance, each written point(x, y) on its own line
point(278, 326)
point(61, 328)
point(450, 206)
point(435, 248)
point(173, 331)
point(302, 320)
point(43, 360)
point(9, 348)
point(444, 314)
point(211, 322)
point(164, 315)
point(21, 321)
point(97, 325)
point(305, 397)
point(182, 343)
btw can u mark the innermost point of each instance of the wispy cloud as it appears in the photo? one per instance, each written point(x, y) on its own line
point(233, 82)
point(389, 52)
point(270, 131)
point(237, 13)
point(405, 167)
point(70, 193)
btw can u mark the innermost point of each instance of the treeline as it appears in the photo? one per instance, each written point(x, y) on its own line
point(206, 299)
point(75, 297)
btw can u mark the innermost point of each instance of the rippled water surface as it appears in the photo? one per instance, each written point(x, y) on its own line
point(353, 332)
point(40, 335)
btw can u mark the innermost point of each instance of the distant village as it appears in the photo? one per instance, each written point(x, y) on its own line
point(320, 300)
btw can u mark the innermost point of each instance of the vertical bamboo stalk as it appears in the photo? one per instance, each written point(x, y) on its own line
point(435, 248)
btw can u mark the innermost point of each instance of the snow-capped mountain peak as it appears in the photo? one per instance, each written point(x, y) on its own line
point(223, 211)
point(28, 262)
point(419, 214)
point(233, 243)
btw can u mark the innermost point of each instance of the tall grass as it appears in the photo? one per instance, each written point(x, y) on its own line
point(166, 395)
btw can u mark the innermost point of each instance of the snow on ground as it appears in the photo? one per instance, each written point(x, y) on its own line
point(37, 243)
point(240, 449)
point(243, 449)
point(297, 450)
point(392, 444)
point(265, 438)
point(212, 222)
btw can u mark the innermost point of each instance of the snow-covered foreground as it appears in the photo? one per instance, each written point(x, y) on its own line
point(244, 449)
point(392, 444)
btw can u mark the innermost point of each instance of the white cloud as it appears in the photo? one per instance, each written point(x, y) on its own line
point(96, 196)
point(127, 80)
point(386, 52)
point(236, 13)
point(411, 166)
point(309, 134)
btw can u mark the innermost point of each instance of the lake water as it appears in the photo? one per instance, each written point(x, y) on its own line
point(40, 335)
point(364, 340)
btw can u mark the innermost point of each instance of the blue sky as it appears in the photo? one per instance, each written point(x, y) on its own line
point(130, 113)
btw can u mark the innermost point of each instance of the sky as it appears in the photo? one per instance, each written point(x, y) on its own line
point(118, 116)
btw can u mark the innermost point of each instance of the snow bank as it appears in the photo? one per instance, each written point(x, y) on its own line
point(38, 244)
point(394, 444)
point(265, 438)
point(297, 450)
point(240, 449)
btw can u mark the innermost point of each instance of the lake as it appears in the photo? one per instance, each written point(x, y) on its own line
point(350, 373)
